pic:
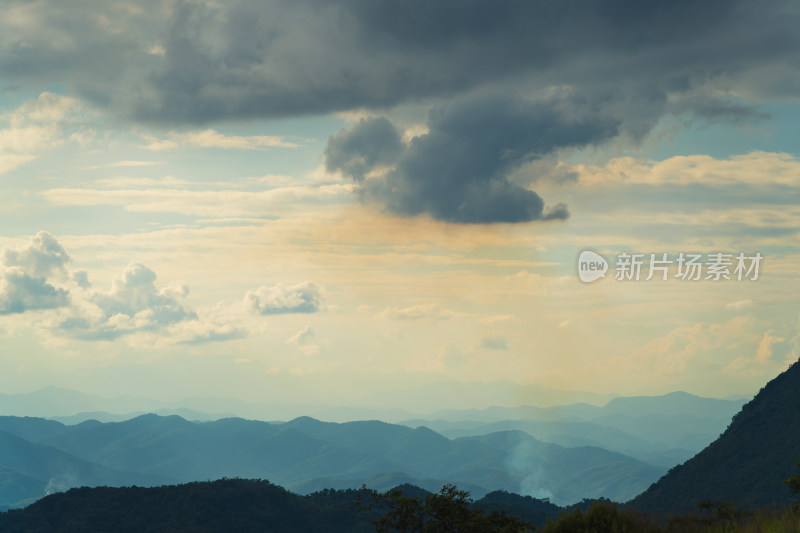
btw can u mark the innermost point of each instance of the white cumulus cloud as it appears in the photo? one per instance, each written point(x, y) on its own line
point(305, 297)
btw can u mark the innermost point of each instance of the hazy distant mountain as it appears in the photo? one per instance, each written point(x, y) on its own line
point(448, 400)
point(569, 434)
point(748, 462)
point(55, 401)
point(663, 430)
point(103, 416)
point(458, 395)
point(303, 452)
point(675, 403)
point(72, 407)
point(577, 411)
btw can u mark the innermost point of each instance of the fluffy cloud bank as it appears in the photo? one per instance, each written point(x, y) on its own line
point(24, 272)
point(37, 277)
point(133, 304)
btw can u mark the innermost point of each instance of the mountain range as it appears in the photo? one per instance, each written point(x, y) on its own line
point(29, 470)
point(564, 453)
point(663, 430)
point(304, 455)
point(391, 405)
point(561, 452)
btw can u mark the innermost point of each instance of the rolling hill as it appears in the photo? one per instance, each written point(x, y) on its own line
point(28, 471)
point(222, 506)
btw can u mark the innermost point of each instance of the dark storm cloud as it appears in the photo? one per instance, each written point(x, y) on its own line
point(310, 56)
point(190, 62)
point(369, 144)
point(459, 170)
point(559, 74)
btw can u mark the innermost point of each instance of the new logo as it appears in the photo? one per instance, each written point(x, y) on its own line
point(591, 266)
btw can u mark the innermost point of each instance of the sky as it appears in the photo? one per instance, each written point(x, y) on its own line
point(316, 201)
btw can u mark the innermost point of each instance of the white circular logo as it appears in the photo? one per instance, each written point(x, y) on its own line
point(591, 266)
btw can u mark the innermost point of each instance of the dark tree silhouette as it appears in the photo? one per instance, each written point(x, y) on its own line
point(794, 487)
point(449, 511)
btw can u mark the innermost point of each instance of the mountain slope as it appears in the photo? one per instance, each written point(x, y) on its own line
point(17, 488)
point(747, 463)
point(30, 470)
point(567, 475)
